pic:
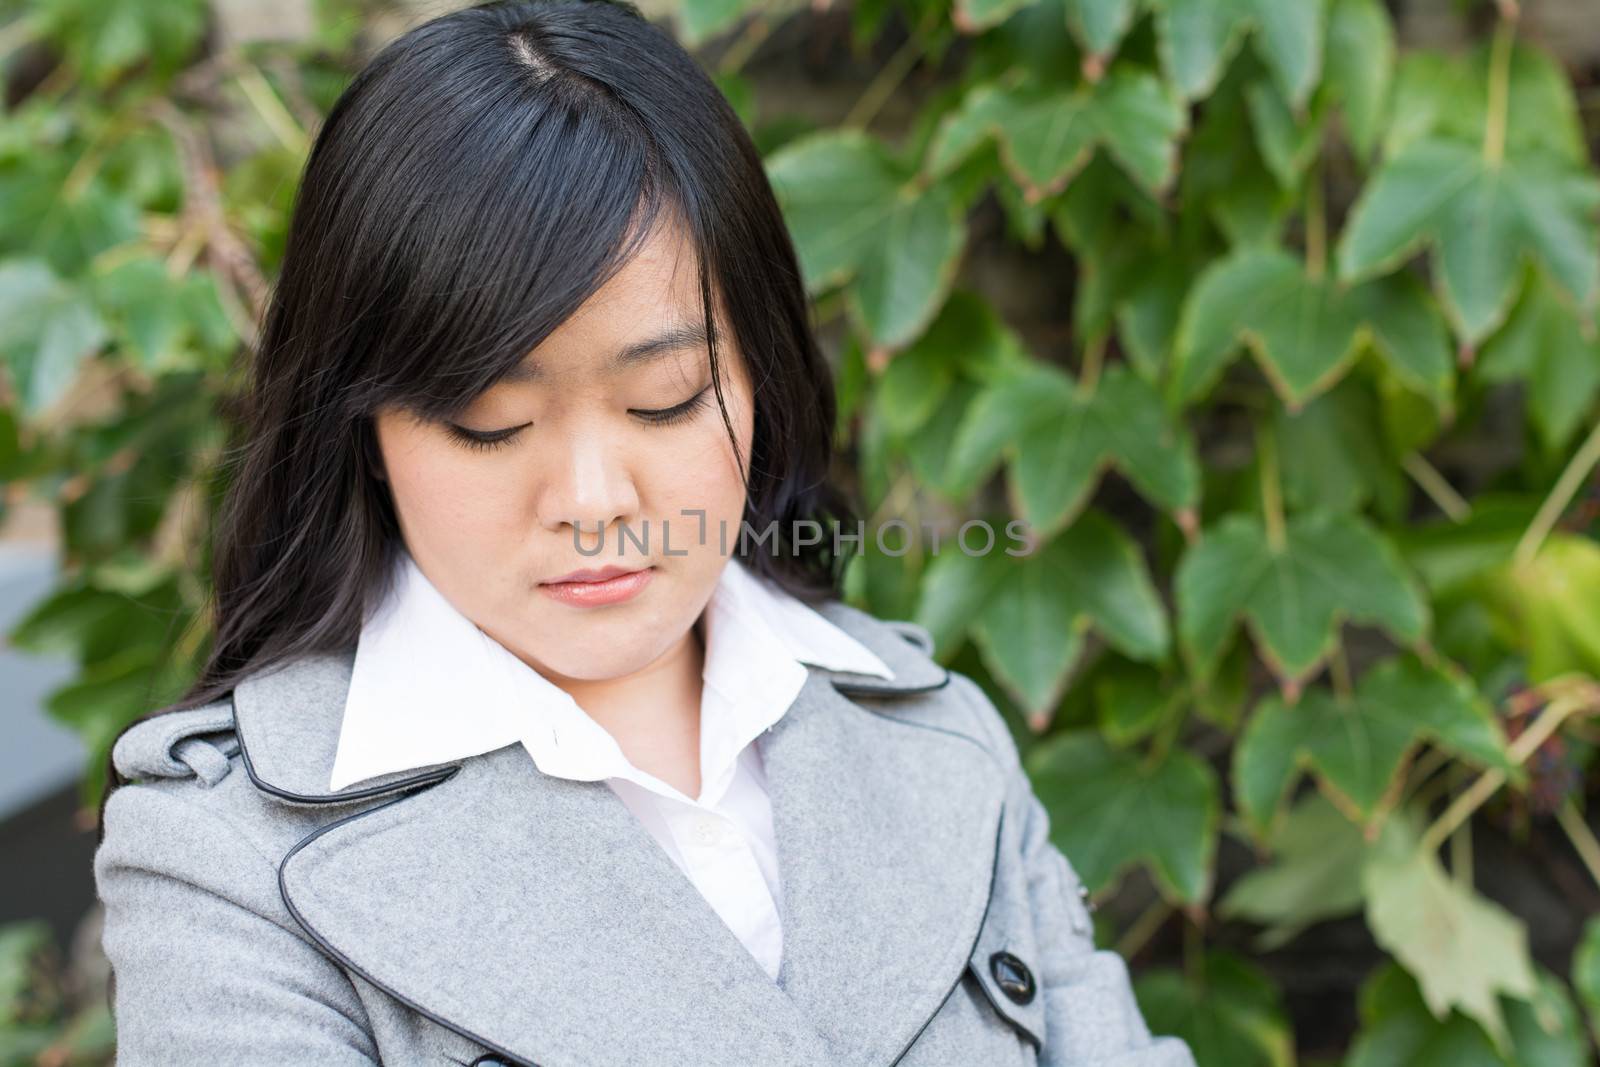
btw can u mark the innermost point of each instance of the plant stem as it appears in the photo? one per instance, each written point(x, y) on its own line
point(1582, 838)
point(16, 34)
point(743, 47)
point(1437, 489)
point(1494, 133)
point(1094, 357)
point(1193, 950)
point(1461, 843)
point(1271, 491)
point(1144, 928)
point(1162, 743)
point(1425, 767)
point(1339, 671)
point(884, 85)
point(88, 164)
point(1316, 226)
point(270, 107)
point(1577, 469)
point(758, 30)
point(1480, 791)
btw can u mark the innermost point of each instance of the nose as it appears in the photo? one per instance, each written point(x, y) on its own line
point(590, 488)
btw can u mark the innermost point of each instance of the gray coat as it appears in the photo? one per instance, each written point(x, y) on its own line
point(483, 912)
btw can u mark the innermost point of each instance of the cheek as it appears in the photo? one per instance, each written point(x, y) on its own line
point(692, 485)
point(441, 494)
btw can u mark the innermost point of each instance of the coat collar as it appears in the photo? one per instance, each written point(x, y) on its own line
point(585, 944)
point(418, 653)
point(288, 717)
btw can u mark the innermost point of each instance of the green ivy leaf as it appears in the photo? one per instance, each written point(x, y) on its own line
point(1109, 810)
point(966, 340)
point(1441, 95)
point(1100, 25)
point(1481, 220)
point(1355, 749)
point(1334, 454)
point(1132, 275)
point(1199, 37)
point(1315, 874)
point(1056, 442)
point(1549, 608)
point(1450, 555)
point(108, 695)
point(857, 216)
point(1331, 567)
point(67, 228)
point(1230, 1013)
point(700, 20)
point(1360, 64)
point(974, 16)
point(1304, 333)
point(1147, 317)
point(1224, 175)
point(1028, 614)
point(1547, 1031)
point(164, 320)
point(21, 943)
point(1586, 972)
point(1047, 134)
point(1398, 1029)
point(1288, 142)
point(1464, 950)
point(13, 457)
point(103, 40)
point(1132, 702)
point(1555, 353)
point(47, 329)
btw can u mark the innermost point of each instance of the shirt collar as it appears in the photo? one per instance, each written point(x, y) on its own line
point(428, 686)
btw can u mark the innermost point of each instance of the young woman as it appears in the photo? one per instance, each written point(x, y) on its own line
point(512, 746)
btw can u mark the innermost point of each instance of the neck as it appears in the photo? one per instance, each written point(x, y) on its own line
point(654, 713)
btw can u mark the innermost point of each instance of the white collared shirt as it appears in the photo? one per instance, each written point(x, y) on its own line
point(428, 686)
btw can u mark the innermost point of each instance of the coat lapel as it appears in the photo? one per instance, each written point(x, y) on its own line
point(536, 915)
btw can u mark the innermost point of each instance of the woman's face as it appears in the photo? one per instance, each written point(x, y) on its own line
point(593, 444)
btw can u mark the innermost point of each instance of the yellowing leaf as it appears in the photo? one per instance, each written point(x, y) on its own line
point(1464, 950)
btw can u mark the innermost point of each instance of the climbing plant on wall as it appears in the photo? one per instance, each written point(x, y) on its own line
point(1312, 483)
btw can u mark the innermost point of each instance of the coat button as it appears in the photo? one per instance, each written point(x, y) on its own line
point(1013, 976)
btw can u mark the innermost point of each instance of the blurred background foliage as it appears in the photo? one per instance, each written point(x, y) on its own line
point(1276, 320)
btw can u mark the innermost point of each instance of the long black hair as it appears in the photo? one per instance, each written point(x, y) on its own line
point(478, 180)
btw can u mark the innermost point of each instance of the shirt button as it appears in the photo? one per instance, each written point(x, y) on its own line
point(708, 831)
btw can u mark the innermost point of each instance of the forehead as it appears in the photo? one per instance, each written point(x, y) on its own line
point(649, 308)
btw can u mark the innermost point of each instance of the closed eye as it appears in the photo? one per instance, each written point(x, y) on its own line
point(489, 441)
point(685, 410)
point(482, 442)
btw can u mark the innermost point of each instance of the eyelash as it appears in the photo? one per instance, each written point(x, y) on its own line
point(488, 443)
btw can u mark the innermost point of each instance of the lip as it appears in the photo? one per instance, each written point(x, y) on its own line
point(598, 587)
point(593, 574)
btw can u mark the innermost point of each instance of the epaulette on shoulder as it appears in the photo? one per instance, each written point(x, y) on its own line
point(913, 632)
point(198, 743)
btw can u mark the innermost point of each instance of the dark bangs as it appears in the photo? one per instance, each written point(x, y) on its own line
point(448, 246)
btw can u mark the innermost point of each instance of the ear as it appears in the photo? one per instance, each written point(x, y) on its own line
point(374, 454)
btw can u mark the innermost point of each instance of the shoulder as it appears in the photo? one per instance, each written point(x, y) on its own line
point(924, 691)
point(195, 743)
point(184, 824)
point(185, 787)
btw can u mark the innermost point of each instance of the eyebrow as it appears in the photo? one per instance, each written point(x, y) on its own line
point(673, 339)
